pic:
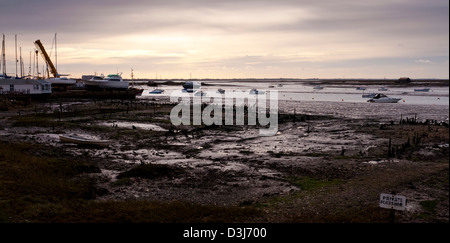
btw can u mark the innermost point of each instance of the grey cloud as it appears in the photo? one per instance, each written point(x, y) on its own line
point(107, 16)
point(401, 22)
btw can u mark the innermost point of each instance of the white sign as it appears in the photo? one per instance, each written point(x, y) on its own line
point(392, 201)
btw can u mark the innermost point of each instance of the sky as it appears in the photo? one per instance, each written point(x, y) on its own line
point(181, 39)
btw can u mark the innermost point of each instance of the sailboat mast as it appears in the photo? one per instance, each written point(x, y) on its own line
point(56, 55)
point(21, 63)
point(16, 53)
point(3, 57)
point(37, 65)
point(29, 68)
point(132, 78)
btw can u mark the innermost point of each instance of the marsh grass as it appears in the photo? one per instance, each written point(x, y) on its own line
point(150, 171)
point(28, 180)
point(429, 206)
point(310, 184)
point(138, 211)
point(51, 187)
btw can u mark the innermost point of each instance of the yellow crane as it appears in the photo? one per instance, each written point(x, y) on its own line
point(49, 62)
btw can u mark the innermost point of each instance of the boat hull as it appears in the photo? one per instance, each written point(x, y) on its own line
point(384, 100)
point(83, 141)
point(107, 84)
point(157, 91)
point(372, 95)
point(421, 90)
point(62, 81)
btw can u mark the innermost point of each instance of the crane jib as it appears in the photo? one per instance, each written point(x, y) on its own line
point(46, 58)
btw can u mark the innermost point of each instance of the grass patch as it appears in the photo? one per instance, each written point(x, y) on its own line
point(369, 214)
point(28, 179)
point(310, 184)
point(150, 171)
point(48, 187)
point(429, 206)
point(138, 211)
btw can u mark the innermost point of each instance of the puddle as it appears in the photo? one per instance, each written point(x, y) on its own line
point(375, 162)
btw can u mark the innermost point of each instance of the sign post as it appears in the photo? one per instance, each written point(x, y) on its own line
point(392, 202)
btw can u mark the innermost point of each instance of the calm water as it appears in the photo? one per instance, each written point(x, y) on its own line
point(341, 101)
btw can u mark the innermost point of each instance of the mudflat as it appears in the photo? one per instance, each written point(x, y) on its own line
point(321, 166)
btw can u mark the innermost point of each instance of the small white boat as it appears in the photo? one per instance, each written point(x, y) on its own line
point(200, 93)
point(112, 81)
point(371, 95)
point(379, 98)
point(192, 85)
point(318, 87)
point(83, 141)
point(383, 89)
point(422, 90)
point(157, 91)
point(256, 92)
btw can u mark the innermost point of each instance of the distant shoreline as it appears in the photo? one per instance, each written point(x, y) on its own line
point(378, 82)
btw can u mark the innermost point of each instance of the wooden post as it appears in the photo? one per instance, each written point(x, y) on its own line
point(392, 216)
point(389, 148)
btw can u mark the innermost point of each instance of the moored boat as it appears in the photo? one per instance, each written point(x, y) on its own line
point(83, 141)
point(157, 91)
point(200, 93)
point(192, 85)
point(379, 98)
point(422, 90)
point(256, 92)
point(112, 81)
point(371, 95)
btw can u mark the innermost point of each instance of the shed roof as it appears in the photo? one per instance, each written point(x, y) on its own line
point(10, 81)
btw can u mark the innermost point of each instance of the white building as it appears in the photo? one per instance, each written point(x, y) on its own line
point(24, 86)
